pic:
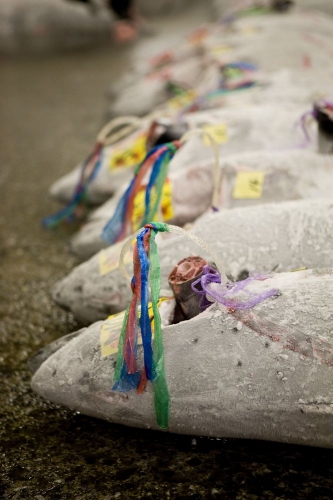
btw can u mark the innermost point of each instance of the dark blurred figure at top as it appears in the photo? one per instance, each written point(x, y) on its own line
point(128, 23)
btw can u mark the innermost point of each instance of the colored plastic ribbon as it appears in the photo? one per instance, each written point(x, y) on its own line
point(313, 113)
point(127, 375)
point(228, 295)
point(147, 274)
point(121, 224)
point(236, 76)
point(89, 170)
point(79, 200)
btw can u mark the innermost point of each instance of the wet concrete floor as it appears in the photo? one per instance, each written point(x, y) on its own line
point(51, 109)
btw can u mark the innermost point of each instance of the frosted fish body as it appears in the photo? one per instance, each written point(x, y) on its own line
point(281, 176)
point(191, 170)
point(264, 373)
point(280, 237)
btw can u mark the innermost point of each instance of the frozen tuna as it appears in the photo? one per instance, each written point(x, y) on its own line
point(282, 237)
point(261, 373)
point(276, 176)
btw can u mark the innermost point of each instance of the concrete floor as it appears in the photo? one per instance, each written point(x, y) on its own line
point(51, 109)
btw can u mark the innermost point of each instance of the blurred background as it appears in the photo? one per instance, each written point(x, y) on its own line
point(58, 61)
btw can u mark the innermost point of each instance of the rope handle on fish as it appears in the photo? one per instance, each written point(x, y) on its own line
point(128, 124)
point(217, 170)
point(169, 228)
point(106, 137)
point(91, 166)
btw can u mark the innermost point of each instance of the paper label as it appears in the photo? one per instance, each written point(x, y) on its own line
point(109, 258)
point(219, 133)
point(249, 30)
point(220, 49)
point(183, 100)
point(111, 329)
point(130, 156)
point(248, 185)
point(110, 333)
point(166, 204)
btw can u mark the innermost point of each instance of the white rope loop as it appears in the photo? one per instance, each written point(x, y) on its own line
point(132, 122)
point(217, 170)
point(176, 230)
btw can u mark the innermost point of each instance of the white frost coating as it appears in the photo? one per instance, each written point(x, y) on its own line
point(222, 381)
point(88, 241)
point(255, 39)
point(301, 86)
point(289, 175)
point(222, 6)
point(148, 92)
point(281, 237)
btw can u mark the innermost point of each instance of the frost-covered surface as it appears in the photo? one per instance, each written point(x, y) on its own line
point(282, 237)
point(284, 86)
point(304, 53)
point(264, 373)
point(221, 7)
point(288, 175)
point(39, 25)
point(272, 127)
point(255, 39)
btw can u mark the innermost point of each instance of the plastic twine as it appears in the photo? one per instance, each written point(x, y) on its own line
point(304, 125)
point(122, 224)
point(127, 374)
point(230, 83)
point(217, 170)
point(170, 228)
point(158, 160)
point(323, 104)
point(234, 295)
point(147, 273)
point(90, 169)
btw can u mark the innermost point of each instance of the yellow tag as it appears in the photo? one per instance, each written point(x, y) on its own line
point(110, 333)
point(220, 49)
point(131, 156)
point(219, 133)
point(182, 100)
point(139, 204)
point(248, 185)
point(109, 258)
point(111, 329)
point(249, 30)
point(299, 269)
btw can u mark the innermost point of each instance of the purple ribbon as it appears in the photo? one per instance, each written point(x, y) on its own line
point(227, 295)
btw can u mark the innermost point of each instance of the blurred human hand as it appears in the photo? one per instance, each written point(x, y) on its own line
point(124, 31)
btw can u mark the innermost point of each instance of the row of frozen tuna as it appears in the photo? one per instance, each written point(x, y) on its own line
point(241, 344)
